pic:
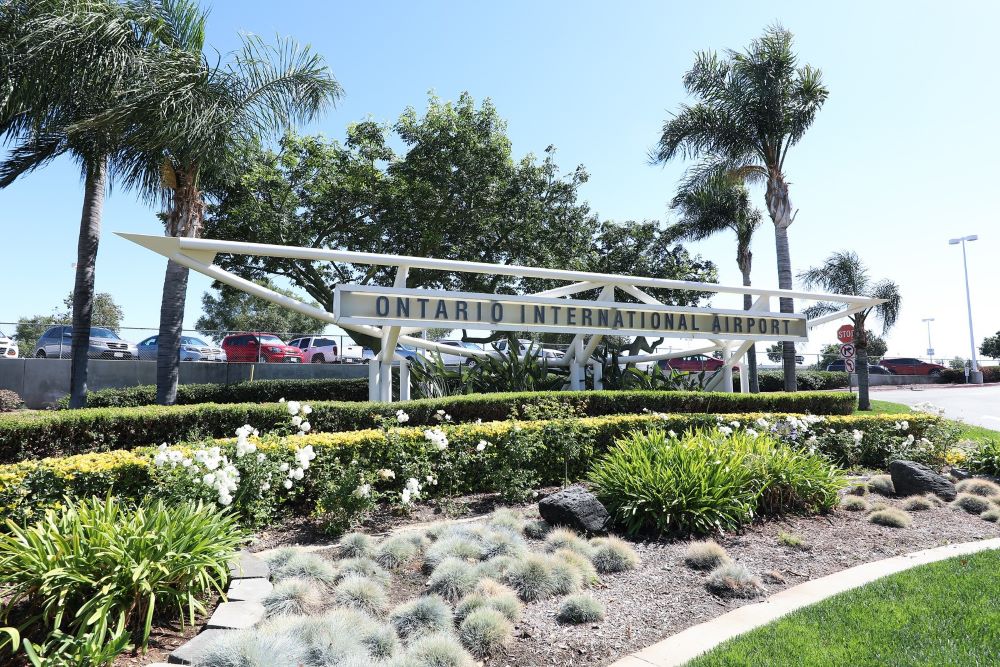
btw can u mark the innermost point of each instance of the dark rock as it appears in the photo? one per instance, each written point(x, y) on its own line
point(910, 478)
point(577, 508)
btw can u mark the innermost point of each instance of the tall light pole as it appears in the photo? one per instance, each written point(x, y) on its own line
point(930, 347)
point(975, 375)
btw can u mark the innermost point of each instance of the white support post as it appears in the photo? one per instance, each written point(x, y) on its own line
point(404, 380)
point(727, 372)
point(373, 380)
point(576, 366)
point(385, 381)
point(745, 374)
point(598, 371)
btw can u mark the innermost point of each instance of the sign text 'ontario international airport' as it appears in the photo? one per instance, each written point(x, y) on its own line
point(396, 306)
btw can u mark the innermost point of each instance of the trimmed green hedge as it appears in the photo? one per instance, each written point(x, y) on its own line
point(953, 376)
point(804, 380)
point(520, 453)
point(34, 435)
point(258, 391)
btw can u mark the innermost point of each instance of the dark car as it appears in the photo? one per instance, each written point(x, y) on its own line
point(104, 344)
point(873, 369)
point(191, 349)
point(912, 366)
point(260, 347)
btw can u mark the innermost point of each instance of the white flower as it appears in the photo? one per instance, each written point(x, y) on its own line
point(305, 426)
point(482, 445)
point(385, 473)
point(209, 479)
point(296, 420)
point(281, 400)
point(734, 424)
point(857, 435)
point(292, 407)
point(405, 497)
point(672, 434)
point(412, 488)
point(307, 409)
point(905, 424)
point(363, 491)
point(534, 494)
point(909, 439)
point(287, 483)
point(283, 467)
point(402, 417)
point(260, 456)
point(725, 430)
point(225, 499)
point(437, 437)
point(752, 433)
point(296, 473)
point(265, 486)
point(763, 423)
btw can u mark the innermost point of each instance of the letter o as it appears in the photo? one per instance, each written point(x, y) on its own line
point(496, 312)
point(654, 320)
point(382, 306)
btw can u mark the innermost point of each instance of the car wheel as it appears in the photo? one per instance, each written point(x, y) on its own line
point(40, 354)
point(318, 359)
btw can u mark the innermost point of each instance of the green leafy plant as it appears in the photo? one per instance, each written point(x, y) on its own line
point(95, 573)
point(985, 459)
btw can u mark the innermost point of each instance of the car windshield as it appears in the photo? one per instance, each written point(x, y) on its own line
point(323, 342)
point(98, 332)
point(188, 340)
point(468, 345)
point(270, 340)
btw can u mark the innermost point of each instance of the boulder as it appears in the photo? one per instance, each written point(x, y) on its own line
point(575, 507)
point(911, 478)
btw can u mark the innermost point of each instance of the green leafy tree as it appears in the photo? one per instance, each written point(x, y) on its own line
point(721, 203)
point(829, 354)
point(991, 346)
point(105, 313)
point(751, 107)
point(198, 116)
point(877, 347)
point(229, 309)
point(30, 329)
point(957, 364)
point(66, 62)
point(844, 273)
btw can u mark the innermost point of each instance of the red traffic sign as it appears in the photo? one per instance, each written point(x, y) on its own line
point(845, 334)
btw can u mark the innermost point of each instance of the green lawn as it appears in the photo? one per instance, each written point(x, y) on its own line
point(968, 432)
point(942, 614)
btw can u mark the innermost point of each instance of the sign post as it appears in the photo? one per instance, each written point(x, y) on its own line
point(845, 334)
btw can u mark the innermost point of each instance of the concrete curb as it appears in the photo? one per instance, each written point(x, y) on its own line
point(688, 644)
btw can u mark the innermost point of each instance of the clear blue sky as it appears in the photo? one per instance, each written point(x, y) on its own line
point(902, 156)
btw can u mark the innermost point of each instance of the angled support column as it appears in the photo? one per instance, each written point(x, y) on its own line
point(404, 379)
point(373, 380)
point(598, 373)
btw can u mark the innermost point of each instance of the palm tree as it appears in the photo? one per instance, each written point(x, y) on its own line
point(844, 273)
point(720, 203)
point(752, 107)
point(69, 61)
point(199, 117)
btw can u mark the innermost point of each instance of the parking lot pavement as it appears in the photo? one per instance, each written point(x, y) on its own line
point(979, 405)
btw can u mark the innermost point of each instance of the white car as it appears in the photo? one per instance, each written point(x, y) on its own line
point(453, 359)
point(502, 347)
point(317, 349)
point(8, 348)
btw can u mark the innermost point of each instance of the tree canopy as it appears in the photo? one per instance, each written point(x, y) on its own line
point(106, 313)
point(991, 346)
point(228, 309)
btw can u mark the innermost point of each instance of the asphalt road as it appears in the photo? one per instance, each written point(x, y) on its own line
point(973, 405)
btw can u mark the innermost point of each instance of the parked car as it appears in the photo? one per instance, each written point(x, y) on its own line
point(192, 349)
point(911, 366)
point(104, 344)
point(694, 363)
point(873, 369)
point(260, 347)
point(451, 359)
point(502, 347)
point(407, 352)
point(317, 349)
point(8, 348)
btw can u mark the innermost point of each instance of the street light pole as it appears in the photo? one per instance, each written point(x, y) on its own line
point(975, 375)
point(930, 347)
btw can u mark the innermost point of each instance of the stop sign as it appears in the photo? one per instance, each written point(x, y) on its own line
point(845, 334)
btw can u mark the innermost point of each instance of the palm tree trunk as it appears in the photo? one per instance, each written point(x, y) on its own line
point(779, 207)
point(752, 352)
point(171, 324)
point(861, 365)
point(83, 288)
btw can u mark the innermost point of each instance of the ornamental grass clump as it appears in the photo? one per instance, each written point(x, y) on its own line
point(971, 503)
point(362, 593)
point(853, 503)
point(709, 480)
point(580, 608)
point(460, 547)
point(277, 558)
point(305, 565)
point(613, 554)
point(395, 552)
point(437, 650)
point(500, 542)
point(453, 579)
point(242, 648)
point(323, 640)
point(531, 577)
point(917, 504)
point(292, 597)
point(362, 567)
point(992, 515)
point(882, 485)
point(421, 616)
point(537, 529)
point(504, 601)
point(355, 545)
point(506, 518)
point(860, 489)
point(706, 555)
point(733, 580)
point(891, 518)
point(566, 578)
point(564, 538)
point(485, 632)
point(978, 487)
point(496, 568)
point(793, 541)
point(582, 564)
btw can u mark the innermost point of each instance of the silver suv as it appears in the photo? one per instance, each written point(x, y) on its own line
point(57, 342)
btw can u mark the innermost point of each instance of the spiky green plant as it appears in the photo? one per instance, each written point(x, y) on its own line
point(395, 552)
point(362, 567)
point(581, 563)
point(882, 485)
point(853, 503)
point(453, 579)
point(361, 593)
point(437, 650)
point(355, 545)
point(531, 577)
point(536, 529)
point(565, 538)
point(566, 578)
point(613, 554)
point(917, 504)
point(971, 503)
point(291, 597)
point(979, 487)
point(733, 580)
point(485, 632)
point(305, 565)
point(582, 608)
point(252, 648)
